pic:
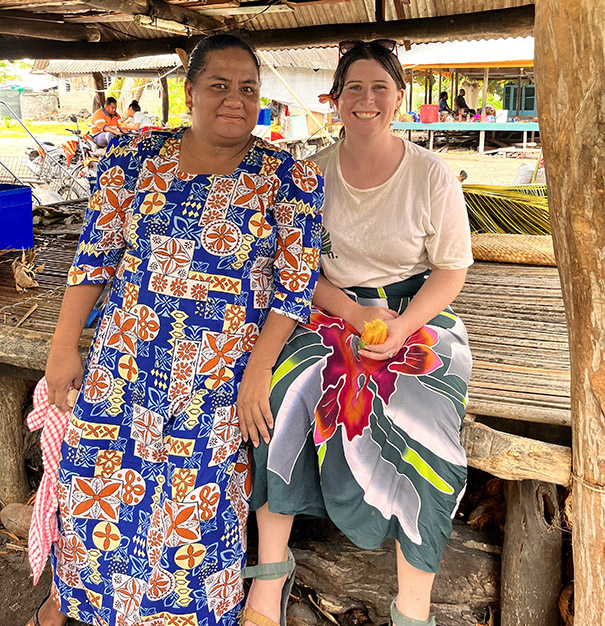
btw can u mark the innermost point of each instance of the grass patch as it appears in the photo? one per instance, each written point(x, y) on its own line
point(39, 128)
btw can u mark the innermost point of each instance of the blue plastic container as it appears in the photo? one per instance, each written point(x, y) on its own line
point(264, 117)
point(16, 224)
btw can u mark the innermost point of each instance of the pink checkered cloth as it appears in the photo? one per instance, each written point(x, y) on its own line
point(44, 528)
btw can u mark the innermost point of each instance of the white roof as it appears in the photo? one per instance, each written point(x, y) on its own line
point(452, 53)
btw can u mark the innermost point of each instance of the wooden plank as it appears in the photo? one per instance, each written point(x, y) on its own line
point(513, 457)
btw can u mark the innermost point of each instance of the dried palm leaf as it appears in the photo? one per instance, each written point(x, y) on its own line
point(513, 210)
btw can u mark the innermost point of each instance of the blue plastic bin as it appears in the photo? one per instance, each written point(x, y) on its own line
point(264, 117)
point(16, 224)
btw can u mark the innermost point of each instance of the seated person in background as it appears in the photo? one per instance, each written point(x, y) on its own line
point(460, 106)
point(443, 105)
point(140, 121)
point(105, 124)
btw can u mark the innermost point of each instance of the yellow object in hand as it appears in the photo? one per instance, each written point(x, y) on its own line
point(374, 332)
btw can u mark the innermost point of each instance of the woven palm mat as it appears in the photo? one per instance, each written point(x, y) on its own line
point(524, 249)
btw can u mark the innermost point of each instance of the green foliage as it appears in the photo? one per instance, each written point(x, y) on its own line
point(12, 70)
point(8, 121)
point(178, 107)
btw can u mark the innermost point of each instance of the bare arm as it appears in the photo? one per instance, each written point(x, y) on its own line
point(333, 300)
point(253, 407)
point(439, 290)
point(64, 365)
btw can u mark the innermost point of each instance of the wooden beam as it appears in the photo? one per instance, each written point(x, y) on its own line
point(99, 99)
point(379, 10)
point(514, 22)
point(165, 110)
point(159, 9)
point(513, 457)
point(39, 29)
point(570, 51)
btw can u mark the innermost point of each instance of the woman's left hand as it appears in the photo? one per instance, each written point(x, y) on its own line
point(397, 334)
point(253, 410)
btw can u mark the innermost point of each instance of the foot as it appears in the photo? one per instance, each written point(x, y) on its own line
point(265, 598)
point(48, 615)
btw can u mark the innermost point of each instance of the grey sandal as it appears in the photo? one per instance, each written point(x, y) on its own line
point(399, 619)
point(271, 571)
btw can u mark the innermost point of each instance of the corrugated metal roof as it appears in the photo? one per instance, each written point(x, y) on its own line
point(309, 58)
point(65, 67)
point(453, 53)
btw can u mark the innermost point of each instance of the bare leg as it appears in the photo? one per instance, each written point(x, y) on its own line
point(414, 597)
point(273, 534)
point(49, 615)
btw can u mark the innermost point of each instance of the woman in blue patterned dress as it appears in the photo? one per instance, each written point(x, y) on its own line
point(211, 238)
point(371, 436)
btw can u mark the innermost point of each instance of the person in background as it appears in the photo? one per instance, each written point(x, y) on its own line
point(369, 432)
point(443, 105)
point(460, 106)
point(105, 123)
point(140, 121)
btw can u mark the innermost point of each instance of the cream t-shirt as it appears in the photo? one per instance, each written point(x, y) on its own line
point(378, 236)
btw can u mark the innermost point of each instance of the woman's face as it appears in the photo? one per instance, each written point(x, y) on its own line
point(225, 97)
point(369, 99)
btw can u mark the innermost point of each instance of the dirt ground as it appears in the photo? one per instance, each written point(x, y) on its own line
point(18, 599)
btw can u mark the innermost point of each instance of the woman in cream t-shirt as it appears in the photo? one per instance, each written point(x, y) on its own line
point(370, 436)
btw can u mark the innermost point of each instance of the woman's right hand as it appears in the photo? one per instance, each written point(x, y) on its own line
point(63, 370)
point(362, 314)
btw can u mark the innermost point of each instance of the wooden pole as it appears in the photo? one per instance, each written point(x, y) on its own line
point(570, 51)
point(99, 98)
point(411, 90)
point(165, 100)
point(531, 555)
point(13, 482)
point(484, 103)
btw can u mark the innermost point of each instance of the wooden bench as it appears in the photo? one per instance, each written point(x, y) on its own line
point(520, 385)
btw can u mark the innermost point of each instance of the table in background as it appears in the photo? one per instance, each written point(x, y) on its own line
point(480, 127)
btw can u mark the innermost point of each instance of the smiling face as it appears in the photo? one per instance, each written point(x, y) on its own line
point(224, 96)
point(368, 99)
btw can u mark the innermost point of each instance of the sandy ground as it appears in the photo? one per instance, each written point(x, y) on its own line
point(481, 169)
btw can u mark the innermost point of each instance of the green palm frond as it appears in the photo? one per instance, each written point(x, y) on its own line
point(521, 210)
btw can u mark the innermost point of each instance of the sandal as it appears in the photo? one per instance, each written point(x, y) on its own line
point(399, 619)
point(271, 571)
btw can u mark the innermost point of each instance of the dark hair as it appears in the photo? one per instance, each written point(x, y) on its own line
point(134, 105)
point(111, 100)
point(198, 56)
point(364, 50)
point(443, 94)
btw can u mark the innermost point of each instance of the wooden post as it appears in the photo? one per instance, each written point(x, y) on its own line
point(165, 100)
point(411, 90)
point(99, 98)
point(531, 555)
point(485, 83)
point(519, 93)
point(13, 483)
point(570, 51)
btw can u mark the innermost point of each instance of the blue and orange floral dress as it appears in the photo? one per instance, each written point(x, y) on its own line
point(153, 483)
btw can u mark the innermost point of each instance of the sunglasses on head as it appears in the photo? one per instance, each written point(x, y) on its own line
point(377, 45)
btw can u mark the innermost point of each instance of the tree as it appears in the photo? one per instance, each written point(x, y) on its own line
point(570, 68)
point(12, 70)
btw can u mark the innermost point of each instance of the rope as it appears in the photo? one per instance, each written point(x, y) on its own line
point(591, 486)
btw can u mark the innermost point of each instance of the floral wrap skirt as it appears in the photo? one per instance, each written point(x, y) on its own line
point(374, 445)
